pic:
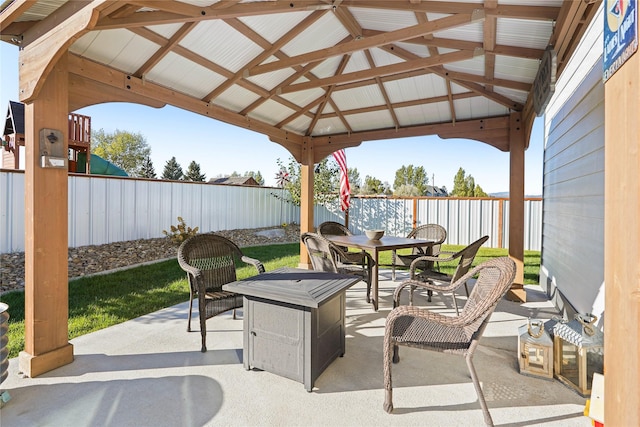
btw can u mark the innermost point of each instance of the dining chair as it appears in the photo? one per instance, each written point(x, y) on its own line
point(433, 232)
point(332, 228)
point(327, 256)
point(424, 329)
point(432, 280)
point(210, 262)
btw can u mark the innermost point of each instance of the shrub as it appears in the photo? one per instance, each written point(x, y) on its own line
point(179, 233)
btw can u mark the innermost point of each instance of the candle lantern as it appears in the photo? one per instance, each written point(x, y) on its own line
point(536, 350)
point(579, 352)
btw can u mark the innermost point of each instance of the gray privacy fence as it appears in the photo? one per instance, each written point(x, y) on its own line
point(110, 209)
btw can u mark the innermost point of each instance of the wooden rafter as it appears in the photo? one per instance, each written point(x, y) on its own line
point(370, 42)
point(188, 13)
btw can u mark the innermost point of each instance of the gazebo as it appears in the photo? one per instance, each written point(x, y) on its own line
point(314, 76)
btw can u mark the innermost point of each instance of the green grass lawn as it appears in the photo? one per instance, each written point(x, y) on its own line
point(104, 300)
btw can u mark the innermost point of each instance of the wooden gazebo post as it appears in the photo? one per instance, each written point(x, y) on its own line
point(46, 246)
point(622, 245)
point(517, 145)
point(306, 198)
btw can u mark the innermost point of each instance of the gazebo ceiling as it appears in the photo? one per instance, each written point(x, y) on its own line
point(331, 73)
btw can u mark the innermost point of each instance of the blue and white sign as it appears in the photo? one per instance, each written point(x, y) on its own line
point(620, 34)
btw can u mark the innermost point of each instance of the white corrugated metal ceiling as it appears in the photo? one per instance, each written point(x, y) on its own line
point(322, 68)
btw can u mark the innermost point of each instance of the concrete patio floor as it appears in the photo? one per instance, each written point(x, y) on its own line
point(150, 372)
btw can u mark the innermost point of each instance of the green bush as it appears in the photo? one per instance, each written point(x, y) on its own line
point(179, 233)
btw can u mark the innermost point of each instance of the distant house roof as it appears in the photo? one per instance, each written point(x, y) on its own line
point(235, 180)
point(436, 191)
point(15, 119)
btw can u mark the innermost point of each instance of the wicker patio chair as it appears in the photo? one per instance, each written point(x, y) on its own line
point(432, 280)
point(332, 228)
point(426, 232)
point(459, 335)
point(327, 256)
point(209, 261)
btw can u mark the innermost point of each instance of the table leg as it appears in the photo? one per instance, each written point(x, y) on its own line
point(374, 280)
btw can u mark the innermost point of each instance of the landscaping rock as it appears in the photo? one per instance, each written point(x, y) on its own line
point(87, 260)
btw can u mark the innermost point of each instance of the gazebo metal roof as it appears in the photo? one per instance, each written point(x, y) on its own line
point(333, 72)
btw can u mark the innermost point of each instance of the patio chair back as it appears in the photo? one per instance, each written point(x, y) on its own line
point(466, 257)
point(433, 232)
point(429, 232)
point(323, 254)
point(327, 256)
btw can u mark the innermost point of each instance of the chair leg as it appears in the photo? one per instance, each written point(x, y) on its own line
point(203, 322)
point(455, 303)
point(474, 377)
point(393, 265)
point(190, 309)
point(388, 393)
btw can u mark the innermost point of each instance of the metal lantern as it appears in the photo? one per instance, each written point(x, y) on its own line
point(536, 350)
point(578, 352)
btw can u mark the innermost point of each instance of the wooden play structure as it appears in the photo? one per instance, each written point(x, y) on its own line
point(13, 139)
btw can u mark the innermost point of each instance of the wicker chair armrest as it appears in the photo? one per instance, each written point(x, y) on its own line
point(252, 261)
point(415, 284)
point(422, 313)
point(432, 258)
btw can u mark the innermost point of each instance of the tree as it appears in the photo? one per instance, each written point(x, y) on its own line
point(479, 192)
point(465, 186)
point(354, 180)
point(124, 149)
point(325, 182)
point(410, 175)
point(372, 186)
point(147, 170)
point(193, 172)
point(172, 170)
point(407, 190)
point(255, 175)
point(460, 185)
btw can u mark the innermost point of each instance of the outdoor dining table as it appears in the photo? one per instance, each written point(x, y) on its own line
point(386, 243)
point(294, 321)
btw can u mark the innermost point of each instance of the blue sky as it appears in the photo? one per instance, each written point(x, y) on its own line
point(221, 149)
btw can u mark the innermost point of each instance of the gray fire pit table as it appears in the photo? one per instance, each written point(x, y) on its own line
point(294, 321)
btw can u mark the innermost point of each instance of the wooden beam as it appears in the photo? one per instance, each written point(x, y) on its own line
point(269, 49)
point(622, 245)
point(46, 345)
point(306, 198)
point(401, 67)
point(516, 205)
point(84, 92)
point(13, 11)
point(39, 56)
point(515, 51)
point(369, 42)
point(548, 13)
point(138, 87)
point(471, 128)
point(182, 32)
point(188, 13)
point(45, 26)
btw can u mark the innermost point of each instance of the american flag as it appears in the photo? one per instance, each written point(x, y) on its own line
point(345, 189)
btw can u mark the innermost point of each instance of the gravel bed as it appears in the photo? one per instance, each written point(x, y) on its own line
point(87, 260)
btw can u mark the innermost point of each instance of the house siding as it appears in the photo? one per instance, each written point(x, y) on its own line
point(572, 264)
